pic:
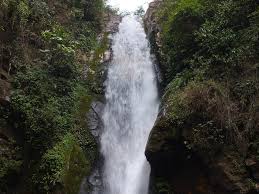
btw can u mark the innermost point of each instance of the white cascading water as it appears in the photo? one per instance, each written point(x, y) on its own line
point(130, 112)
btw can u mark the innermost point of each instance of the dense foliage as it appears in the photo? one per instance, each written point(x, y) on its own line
point(219, 37)
point(209, 57)
point(207, 43)
point(44, 46)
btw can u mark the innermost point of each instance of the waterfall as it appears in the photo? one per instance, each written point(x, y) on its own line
point(130, 112)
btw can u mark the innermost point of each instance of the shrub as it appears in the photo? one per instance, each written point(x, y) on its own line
point(64, 164)
point(93, 12)
point(179, 20)
point(222, 49)
point(46, 42)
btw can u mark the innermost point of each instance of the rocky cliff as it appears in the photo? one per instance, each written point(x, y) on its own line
point(204, 140)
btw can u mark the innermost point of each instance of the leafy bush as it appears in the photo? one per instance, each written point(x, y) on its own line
point(48, 44)
point(202, 110)
point(212, 36)
point(179, 20)
point(64, 164)
point(44, 106)
point(86, 36)
point(222, 48)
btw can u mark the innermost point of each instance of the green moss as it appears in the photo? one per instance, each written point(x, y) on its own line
point(162, 186)
point(83, 134)
point(84, 99)
point(65, 164)
point(169, 10)
point(94, 78)
point(79, 167)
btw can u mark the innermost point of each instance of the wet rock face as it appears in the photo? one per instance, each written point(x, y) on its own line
point(112, 25)
point(94, 115)
point(151, 22)
point(94, 118)
point(153, 31)
point(93, 183)
point(173, 163)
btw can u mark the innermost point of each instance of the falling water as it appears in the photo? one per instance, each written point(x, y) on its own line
point(130, 111)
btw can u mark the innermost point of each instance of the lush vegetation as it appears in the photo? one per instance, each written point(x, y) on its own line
point(209, 57)
point(210, 51)
point(44, 49)
point(201, 34)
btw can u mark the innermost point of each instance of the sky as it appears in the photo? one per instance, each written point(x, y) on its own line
point(128, 5)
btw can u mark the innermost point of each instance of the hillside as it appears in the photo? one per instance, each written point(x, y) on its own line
point(50, 70)
point(206, 137)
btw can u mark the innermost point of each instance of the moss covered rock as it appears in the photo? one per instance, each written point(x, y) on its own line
point(62, 167)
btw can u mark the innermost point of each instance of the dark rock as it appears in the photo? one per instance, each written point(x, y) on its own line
point(94, 118)
point(112, 26)
point(172, 159)
point(93, 183)
point(98, 108)
point(153, 31)
point(151, 22)
point(229, 173)
point(252, 164)
point(4, 89)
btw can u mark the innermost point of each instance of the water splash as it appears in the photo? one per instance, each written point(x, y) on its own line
point(130, 111)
